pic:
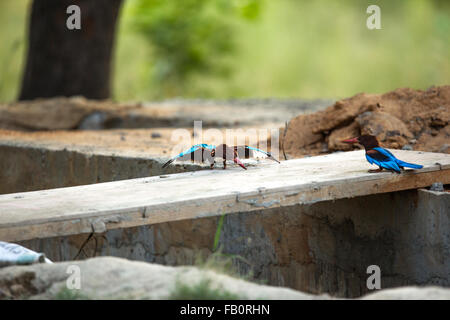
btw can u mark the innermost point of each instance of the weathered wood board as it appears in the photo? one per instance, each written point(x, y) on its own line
point(127, 203)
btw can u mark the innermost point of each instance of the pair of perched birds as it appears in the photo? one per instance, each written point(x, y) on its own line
point(202, 152)
point(375, 154)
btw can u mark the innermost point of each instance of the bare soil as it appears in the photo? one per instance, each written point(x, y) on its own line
point(402, 119)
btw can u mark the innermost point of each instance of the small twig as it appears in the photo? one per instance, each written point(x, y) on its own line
point(286, 125)
point(83, 245)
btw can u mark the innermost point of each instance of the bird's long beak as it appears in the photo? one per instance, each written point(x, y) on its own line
point(273, 158)
point(352, 140)
point(236, 160)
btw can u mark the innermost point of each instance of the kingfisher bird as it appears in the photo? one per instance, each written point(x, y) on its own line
point(379, 156)
point(202, 152)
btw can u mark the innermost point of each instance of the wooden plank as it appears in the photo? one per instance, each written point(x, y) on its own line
point(126, 203)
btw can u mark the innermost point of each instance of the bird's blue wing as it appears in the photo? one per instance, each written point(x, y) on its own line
point(382, 158)
point(369, 159)
point(208, 146)
point(399, 162)
point(189, 151)
point(386, 152)
point(390, 165)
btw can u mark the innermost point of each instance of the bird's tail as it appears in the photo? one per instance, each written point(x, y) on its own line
point(409, 165)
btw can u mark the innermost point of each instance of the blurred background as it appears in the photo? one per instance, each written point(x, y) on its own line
point(257, 48)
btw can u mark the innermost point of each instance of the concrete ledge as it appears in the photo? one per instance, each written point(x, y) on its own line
point(54, 159)
point(37, 161)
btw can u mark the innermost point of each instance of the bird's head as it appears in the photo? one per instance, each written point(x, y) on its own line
point(367, 140)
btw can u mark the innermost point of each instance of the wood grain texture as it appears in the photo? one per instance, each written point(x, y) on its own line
point(191, 195)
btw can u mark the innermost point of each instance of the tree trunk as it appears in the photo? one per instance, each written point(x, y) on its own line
point(63, 62)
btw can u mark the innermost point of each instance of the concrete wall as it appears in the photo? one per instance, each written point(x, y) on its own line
point(28, 168)
point(322, 247)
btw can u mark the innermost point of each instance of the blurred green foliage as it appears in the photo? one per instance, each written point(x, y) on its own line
point(202, 290)
point(13, 15)
point(187, 37)
point(249, 48)
point(311, 49)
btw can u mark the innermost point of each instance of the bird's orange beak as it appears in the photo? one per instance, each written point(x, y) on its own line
point(236, 160)
point(352, 140)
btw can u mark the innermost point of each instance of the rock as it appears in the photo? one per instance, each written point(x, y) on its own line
point(336, 137)
point(437, 186)
point(343, 111)
point(94, 121)
point(116, 278)
point(67, 113)
point(407, 147)
point(384, 126)
point(410, 293)
point(44, 114)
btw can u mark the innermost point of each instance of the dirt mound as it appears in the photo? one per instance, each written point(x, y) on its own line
point(404, 118)
point(78, 113)
point(59, 113)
